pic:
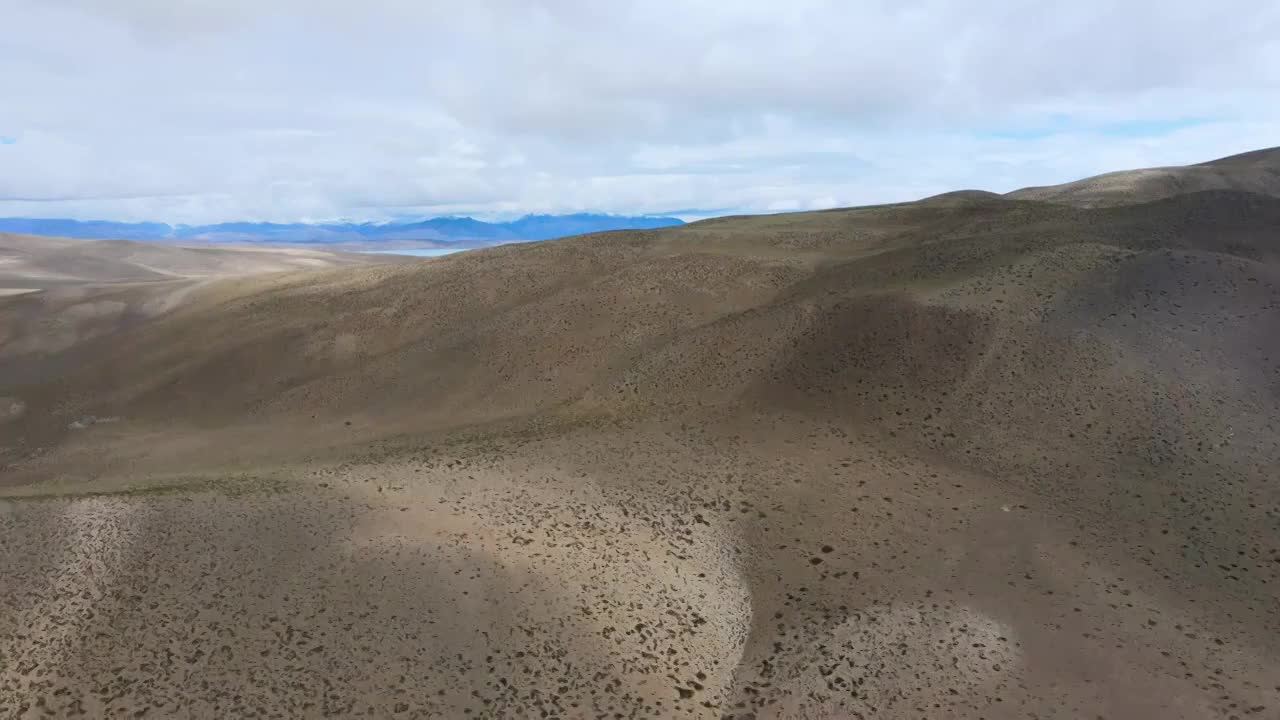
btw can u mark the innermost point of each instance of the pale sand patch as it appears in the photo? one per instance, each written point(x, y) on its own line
point(11, 408)
point(75, 557)
point(665, 619)
point(886, 661)
point(440, 597)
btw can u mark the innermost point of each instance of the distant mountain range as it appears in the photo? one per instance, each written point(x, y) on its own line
point(436, 232)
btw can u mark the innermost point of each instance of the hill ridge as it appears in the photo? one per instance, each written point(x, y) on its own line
point(1257, 171)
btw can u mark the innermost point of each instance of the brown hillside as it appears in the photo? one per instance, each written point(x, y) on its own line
point(1255, 172)
point(970, 457)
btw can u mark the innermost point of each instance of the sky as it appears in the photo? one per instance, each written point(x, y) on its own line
point(307, 110)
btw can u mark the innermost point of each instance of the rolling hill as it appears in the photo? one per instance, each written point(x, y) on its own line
point(31, 261)
point(1255, 172)
point(973, 456)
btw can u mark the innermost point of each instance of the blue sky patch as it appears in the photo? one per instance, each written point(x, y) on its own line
point(6, 140)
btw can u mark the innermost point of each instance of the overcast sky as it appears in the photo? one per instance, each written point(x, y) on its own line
point(206, 110)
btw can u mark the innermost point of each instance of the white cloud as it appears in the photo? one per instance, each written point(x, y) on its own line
point(210, 110)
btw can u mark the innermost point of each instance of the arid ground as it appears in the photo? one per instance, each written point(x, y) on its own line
point(976, 456)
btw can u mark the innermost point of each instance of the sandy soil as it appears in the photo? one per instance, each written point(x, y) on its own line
point(780, 567)
point(971, 457)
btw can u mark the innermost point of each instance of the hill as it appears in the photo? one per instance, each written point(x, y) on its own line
point(1256, 172)
point(975, 456)
point(58, 292)
point(28, 261)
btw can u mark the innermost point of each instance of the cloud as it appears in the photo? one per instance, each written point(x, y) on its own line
point(316, 109)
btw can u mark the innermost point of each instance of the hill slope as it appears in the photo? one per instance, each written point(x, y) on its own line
point(58, 292)
point(37, 261)
point(969, 457)
point(1256, 172)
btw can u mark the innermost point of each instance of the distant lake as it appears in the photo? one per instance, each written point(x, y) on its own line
point(419, 252)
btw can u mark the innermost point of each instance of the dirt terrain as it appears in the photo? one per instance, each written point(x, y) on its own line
point(56, 293)
point(1255, 172)
point(976, 456)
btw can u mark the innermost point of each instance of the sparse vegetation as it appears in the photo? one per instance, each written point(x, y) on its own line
point(976, 456)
